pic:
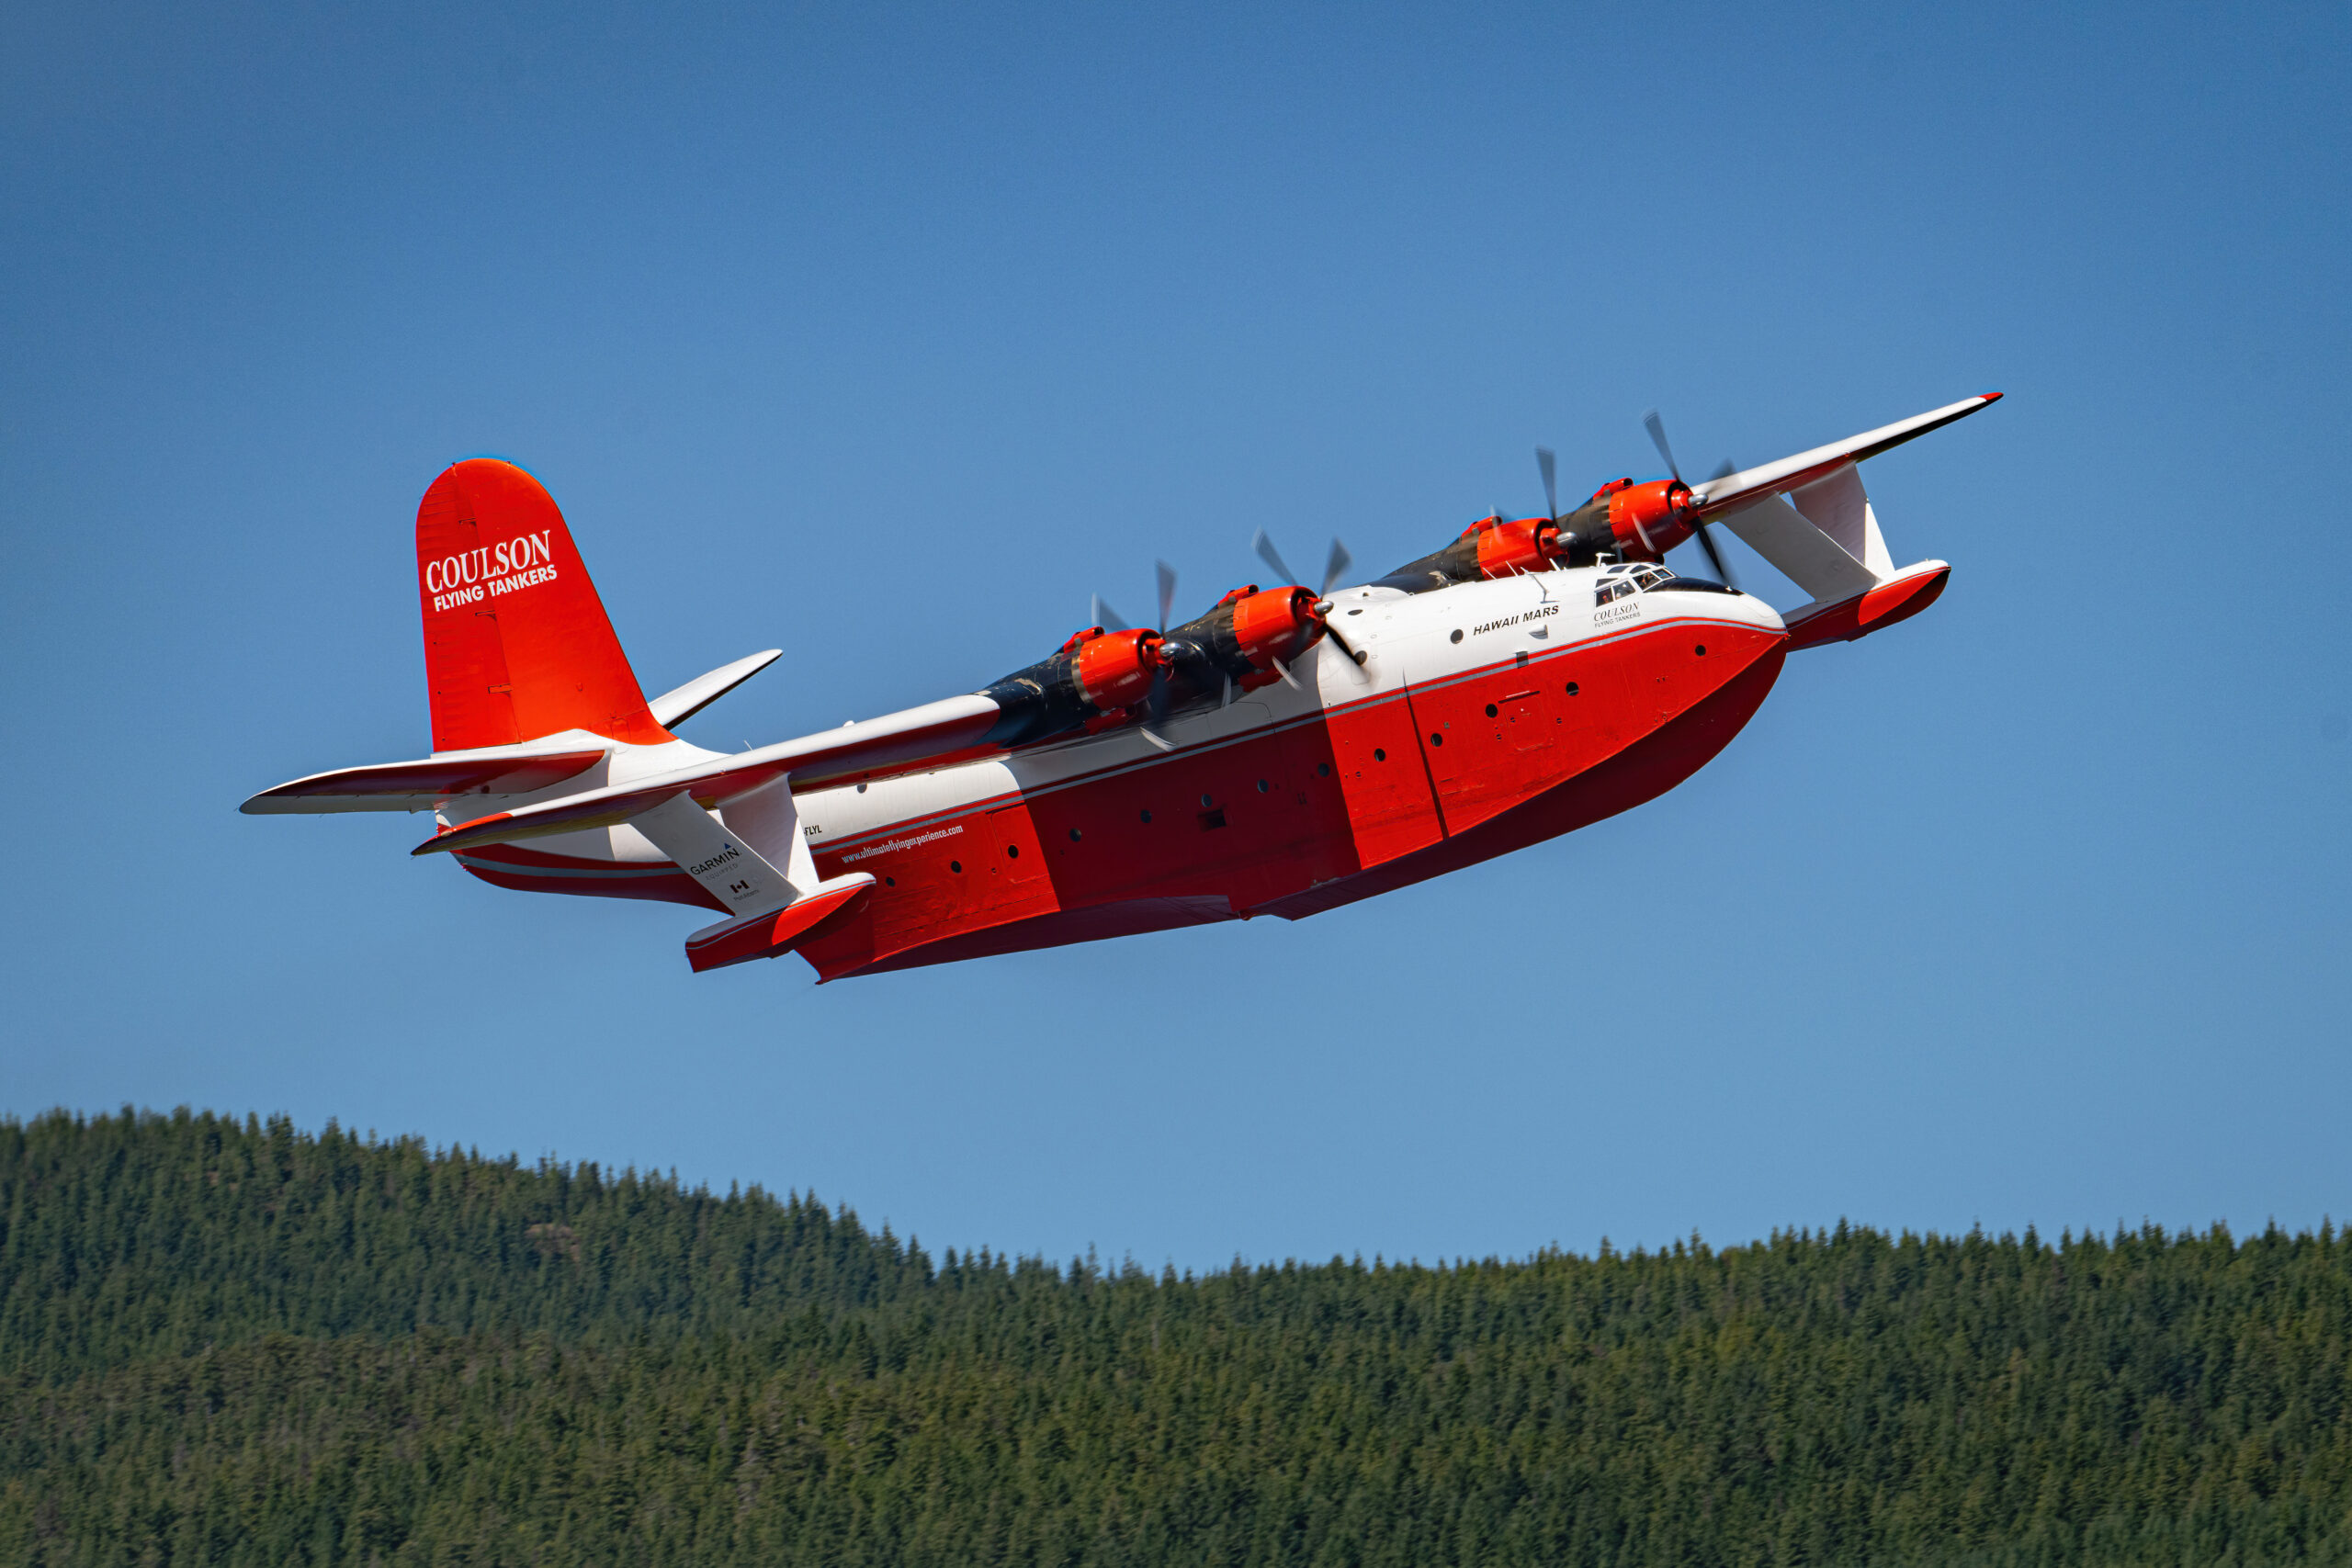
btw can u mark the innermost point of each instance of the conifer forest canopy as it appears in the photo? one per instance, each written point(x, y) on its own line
point(234, 1342)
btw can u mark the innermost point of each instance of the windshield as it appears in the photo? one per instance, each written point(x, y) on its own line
point(1630, 577)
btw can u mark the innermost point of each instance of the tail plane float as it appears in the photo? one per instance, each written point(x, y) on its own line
point(1286, 751)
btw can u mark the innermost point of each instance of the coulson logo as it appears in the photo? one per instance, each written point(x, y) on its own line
point(715, 861)
point(479, 573)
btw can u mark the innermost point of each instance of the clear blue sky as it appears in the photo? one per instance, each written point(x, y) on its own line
point(884, 334)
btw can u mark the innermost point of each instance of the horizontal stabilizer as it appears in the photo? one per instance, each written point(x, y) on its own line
point(940, 730)
point(673, 707)
point(424, 785)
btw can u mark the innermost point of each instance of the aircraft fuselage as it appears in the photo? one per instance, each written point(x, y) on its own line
point(1487, 716)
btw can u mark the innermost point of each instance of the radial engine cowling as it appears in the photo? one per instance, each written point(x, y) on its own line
point(1093, 680)
point(1505, 550)
point(1491, 548)
point(1115, 670)
point(1241, 639)
point(1278, 623)
point(1634, 521)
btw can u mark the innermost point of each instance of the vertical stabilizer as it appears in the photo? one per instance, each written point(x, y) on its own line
point(517, 643)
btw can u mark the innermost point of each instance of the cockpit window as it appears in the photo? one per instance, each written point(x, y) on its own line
point(1630, 576)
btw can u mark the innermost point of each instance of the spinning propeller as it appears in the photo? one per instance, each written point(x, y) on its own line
point(1110, 620)
point(1656, 427)
point(1335, 566)
point(1156, 701)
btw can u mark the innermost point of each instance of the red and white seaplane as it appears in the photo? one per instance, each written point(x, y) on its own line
point(1289, 750)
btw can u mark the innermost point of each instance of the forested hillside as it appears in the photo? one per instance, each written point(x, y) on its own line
point(236, 1343)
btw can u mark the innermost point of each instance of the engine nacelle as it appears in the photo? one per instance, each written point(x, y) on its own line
point(1624, 519)
point(1505, 550)
point(1490, 548)
point(1115, 670)
point(1279, 622)
point(1092, 682)
point(1099, 679)
point(1634, 521)
point(1241, 637)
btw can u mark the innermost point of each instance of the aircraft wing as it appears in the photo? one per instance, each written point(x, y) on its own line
point(935, 729)
point(1735, 492)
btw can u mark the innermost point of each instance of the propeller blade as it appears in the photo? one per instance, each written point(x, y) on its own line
point(1166, 592)
point(1656, 427)
point(1355, 659)
point(1106, 617)
point(1724, 470)
point(1714, 557)
point(1548, 465)
point(1272, 557)
point(1335, 566)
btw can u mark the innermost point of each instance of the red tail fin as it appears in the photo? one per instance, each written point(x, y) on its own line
point(517, 643)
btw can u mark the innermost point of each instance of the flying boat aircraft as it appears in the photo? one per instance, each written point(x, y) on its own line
point(1286, 751)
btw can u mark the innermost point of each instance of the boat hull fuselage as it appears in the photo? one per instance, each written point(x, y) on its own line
point(1488, 717)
